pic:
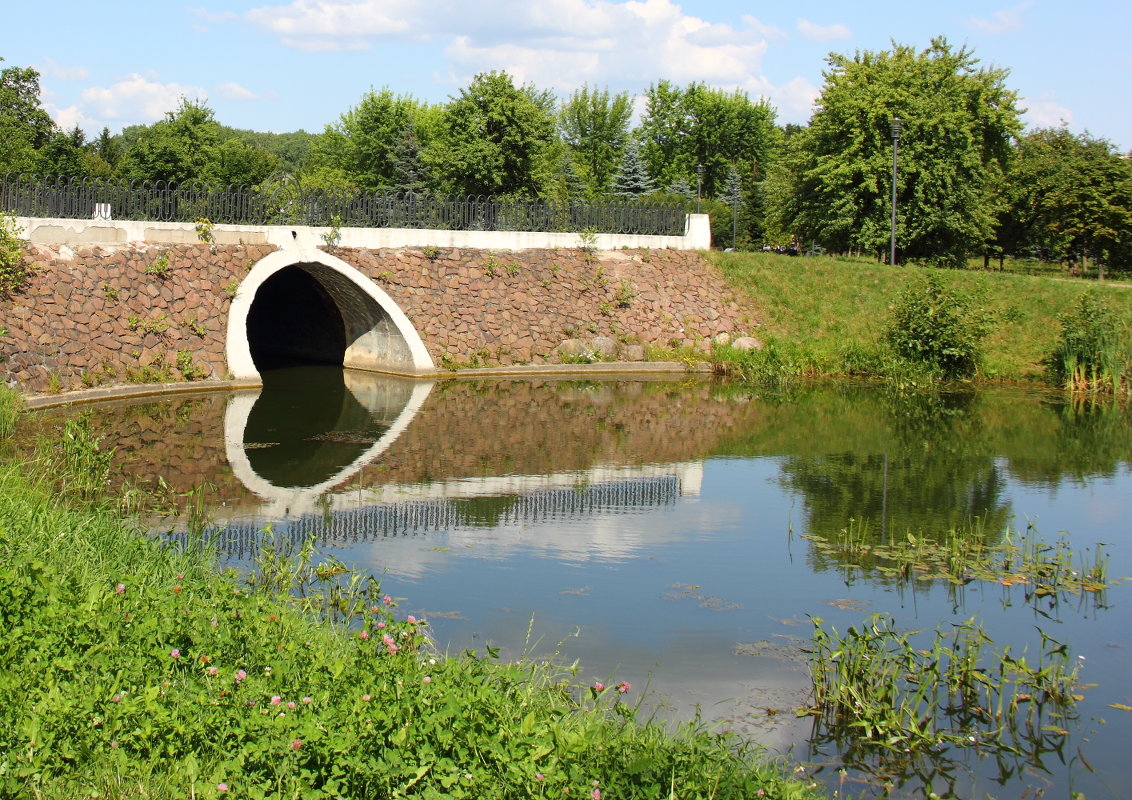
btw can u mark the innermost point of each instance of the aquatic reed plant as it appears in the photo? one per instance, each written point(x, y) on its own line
point(880, 688)
point(1093, 352)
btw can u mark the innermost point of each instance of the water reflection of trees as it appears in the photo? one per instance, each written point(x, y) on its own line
point(920, 468)
point(930, 463)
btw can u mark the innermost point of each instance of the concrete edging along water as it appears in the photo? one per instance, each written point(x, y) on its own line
point(610, 370)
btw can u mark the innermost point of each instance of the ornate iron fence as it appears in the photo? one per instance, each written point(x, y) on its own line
point(286, 202)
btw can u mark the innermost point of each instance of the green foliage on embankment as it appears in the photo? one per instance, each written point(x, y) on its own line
point(834, 317)
point(131, 668)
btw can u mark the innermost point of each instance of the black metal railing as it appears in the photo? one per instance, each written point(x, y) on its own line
point(287, 202)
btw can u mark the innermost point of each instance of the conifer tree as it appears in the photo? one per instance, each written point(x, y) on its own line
point(633, 178)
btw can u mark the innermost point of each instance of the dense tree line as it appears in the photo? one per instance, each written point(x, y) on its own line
point(971, 182)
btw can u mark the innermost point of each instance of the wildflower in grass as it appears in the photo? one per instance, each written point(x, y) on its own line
point(391, 649)
point(241, 675)
point(113, 744)
point(120, 588)
point(426, 679)
point(387, 600)
point(306, 701)
point(596, 794)
point(539, 776)
point(296, 744)
point(624, 687)
point(291, 704)
point(214, 623)
point(175, 652)
point(221, 787)
point(213, 672)
point(411, 619)
point(365, 698)
point(116, 698)
point(363, 635)
point(598, 686)
point(276, 700)
point(381, 624)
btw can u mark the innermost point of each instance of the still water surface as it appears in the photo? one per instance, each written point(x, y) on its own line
point(655, 531)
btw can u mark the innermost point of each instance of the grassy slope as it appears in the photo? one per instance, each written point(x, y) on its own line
point(823, 303)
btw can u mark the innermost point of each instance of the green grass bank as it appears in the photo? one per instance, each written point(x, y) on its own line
point(828, 315)
point(136, 669)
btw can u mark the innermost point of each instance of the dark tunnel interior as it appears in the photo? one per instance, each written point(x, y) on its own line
point(294, 320)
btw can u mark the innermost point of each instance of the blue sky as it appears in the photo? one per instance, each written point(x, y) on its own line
point(279, 66)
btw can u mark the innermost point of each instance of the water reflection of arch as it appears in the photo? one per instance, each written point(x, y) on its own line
point(387, 405)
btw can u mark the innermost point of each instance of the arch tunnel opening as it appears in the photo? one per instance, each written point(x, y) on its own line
point(294, 320)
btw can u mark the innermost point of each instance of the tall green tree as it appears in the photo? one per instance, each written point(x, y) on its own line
point(497, 138)
point(632, 178)
point(181, 147)
point(366, 144)
point(594, 125)
point(959, 121)
point(236, 161)
point(683, 129)
point(25, 128)
point(1069, 199)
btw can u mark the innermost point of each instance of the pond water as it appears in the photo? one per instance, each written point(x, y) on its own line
point(658, 532)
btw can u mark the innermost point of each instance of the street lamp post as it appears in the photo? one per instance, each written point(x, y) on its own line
point(897, 125)
point(699, 185)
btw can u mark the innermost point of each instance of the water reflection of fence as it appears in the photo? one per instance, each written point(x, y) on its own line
point(413, 517)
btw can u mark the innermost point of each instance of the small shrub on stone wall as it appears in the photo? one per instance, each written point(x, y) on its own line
point(13, 270)
point(159, 267)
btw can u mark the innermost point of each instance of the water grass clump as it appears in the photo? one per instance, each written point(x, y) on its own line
point(887, 697)
point(962, 555)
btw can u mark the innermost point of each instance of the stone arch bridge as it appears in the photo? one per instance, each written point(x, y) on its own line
point(147, 302)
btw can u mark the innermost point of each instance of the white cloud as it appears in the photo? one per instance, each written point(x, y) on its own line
point(234, 91)
point(823, 33)
point(1006, 20)
point(317, 25)
point(137, 99)
point(553, 43)
point(1045, 112)
point(764, 30)
point(72, 117)
point(794, 100)
point(54, 70)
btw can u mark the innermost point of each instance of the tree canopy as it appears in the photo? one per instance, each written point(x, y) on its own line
point(1068, 198)
point(497, 138)
point(959, 121)
point(595, 126)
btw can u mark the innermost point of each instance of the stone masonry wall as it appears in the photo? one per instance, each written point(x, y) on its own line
point(482, 308)
point(110, 314)
point(147, 313)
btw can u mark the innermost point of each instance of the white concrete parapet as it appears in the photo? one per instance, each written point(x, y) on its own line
point(104, 231)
